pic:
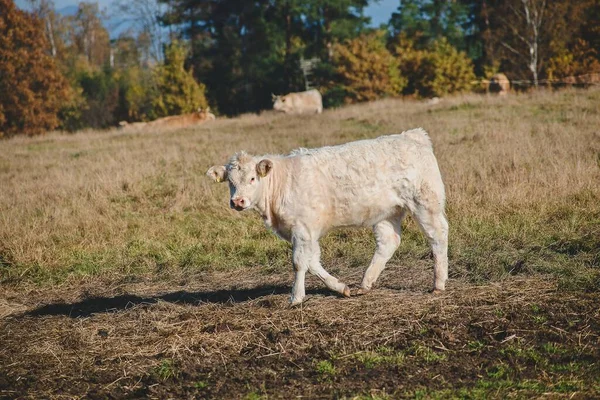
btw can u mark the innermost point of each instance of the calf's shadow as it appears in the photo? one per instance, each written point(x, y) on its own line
point(95, 305)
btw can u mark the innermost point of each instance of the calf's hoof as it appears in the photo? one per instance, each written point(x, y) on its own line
point(296, 302)
point(436, 291)
point(362, 291)
point(346, 291)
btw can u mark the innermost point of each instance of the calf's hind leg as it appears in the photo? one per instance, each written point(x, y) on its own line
point(387, 236)
point(434, 225)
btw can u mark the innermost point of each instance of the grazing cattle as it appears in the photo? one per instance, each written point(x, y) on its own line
point(303, 195)
point(582, 80)
point(132, 125)
point(299, 103)
point(208, 115)
point(499, 84)
point(174, 121)
point(433, 101)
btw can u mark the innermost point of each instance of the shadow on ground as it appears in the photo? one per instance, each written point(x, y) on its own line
point(94, 305)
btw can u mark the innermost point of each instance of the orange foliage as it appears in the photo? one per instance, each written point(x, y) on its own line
point(579, 65)
point(32, 88)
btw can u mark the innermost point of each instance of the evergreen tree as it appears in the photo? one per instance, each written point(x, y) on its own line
point(425, 21)
point(247, 50)
point(331, 21)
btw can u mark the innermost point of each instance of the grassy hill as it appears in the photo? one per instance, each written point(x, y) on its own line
point(124, 271)
point(522, 177)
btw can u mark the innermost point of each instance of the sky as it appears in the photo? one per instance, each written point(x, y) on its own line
point(379, 11)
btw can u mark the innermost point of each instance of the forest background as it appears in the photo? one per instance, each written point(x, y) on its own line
point(65, 72)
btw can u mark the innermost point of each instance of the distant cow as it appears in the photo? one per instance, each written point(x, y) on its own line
point(299, 103)
point(499, 84)
point(132, 125)
point(174, 121)
point(582, 80)
point(303, 195)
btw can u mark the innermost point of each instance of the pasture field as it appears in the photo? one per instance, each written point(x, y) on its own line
point(124, 274)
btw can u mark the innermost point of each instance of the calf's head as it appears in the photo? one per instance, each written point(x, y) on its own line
point(244, 174)
point(279, 103)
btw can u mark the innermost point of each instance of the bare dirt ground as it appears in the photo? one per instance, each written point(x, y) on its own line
point(232, 335)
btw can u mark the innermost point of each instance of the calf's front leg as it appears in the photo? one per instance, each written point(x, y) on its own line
point(306, 257)
point(301, 254)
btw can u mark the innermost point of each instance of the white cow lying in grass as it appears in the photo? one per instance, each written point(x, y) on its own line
point(301, 196)
point(299, 103)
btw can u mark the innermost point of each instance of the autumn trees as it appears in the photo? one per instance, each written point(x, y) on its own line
point(365, 70)
point(176, 90)
point(67, 72)
point(523, 34)
point(435, 69)
point(32, 89)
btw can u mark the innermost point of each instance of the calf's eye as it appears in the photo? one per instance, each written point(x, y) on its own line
point(252, 180)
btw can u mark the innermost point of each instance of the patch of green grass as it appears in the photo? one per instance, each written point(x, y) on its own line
point(507, 384)
point(325, 369)
point(423, 330)
point(527, 242)
point(255, 396)
point(572, 367)
point(426, 354)
point(567, 386)
point(418, 394)
point(371, 396)
point(553, 348)
point(484, 389)
point(498, 372)
point(166, 370)
point(525, 354)
point(476, 345)
point(381, 356)
point(201, 385)
point(370, 359)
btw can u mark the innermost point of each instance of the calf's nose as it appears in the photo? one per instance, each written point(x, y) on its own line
point(239, 202)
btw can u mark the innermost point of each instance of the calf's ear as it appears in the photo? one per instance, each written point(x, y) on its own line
point(218, 173)
point(264, 167)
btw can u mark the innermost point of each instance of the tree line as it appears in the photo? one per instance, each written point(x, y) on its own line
point(66, 72)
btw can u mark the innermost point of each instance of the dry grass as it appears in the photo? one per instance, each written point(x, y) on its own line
point(124, 273)
point(522, 177)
